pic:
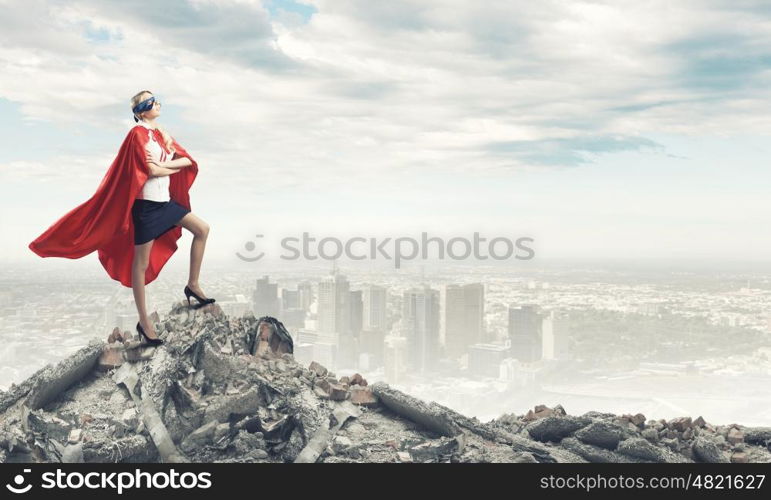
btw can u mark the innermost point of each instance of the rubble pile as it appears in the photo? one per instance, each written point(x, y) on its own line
point(229, 390)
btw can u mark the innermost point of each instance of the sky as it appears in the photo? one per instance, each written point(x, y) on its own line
point(599, 129)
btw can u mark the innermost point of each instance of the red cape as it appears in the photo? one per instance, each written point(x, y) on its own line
point(104, 222)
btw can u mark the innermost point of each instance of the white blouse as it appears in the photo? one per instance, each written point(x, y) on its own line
point(155, 188)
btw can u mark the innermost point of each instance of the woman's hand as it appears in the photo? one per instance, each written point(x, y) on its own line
point(152, 164)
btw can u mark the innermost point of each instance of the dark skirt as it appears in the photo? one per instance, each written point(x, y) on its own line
point(153, 218)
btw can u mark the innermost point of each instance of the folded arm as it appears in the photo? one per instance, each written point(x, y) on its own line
point(177, 163)
point(164, 168)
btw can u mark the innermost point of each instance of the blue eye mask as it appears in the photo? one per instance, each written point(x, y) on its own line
point(143, 106)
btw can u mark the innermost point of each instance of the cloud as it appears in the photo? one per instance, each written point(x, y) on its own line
point(361, 94)
point(239, 31)
point(569, 152)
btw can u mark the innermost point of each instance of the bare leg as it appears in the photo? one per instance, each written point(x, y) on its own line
point(138, 268)
point(200, 230)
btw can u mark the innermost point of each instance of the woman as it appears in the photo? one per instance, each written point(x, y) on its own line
point(135, 217)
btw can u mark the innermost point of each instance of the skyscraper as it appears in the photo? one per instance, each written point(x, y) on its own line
point(556, 329)
point(375, 310)
point(525, 333)
point(464, 317)
point(290, 299)
point(334, 305)
point(420, 326)
point(348, 341)
point(266, 298)
point(305, 289)
point(356, 306)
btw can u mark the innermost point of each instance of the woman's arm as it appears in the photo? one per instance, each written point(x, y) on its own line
point(158, 171)
point(156, 168)
point(177, 163)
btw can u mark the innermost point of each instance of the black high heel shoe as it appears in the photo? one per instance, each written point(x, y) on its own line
point(150, 341)
point(201, 300)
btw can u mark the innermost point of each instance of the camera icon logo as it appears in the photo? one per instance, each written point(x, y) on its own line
point(18, 480)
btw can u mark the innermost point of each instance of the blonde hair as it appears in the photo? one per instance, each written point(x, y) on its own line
point(167, 139)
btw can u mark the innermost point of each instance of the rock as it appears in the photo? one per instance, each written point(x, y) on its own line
point(357, 379)
point(735, 436)
point(555, 428)
point(320, 393)
point(363, 396)
point(337, 392)
point(681, 424)
point(114, 336)
point(355, 429)
point(199, 437)
point(131, 449)
point(525, 458)
point(757, 435)
point(705, 450)
point(323, 384)
point(75, 435)
point(222, 408)
point(739, 458)
point(602, 434)
point(277, 430)
point(650, 434)
point(141, 353)
point(129, 418)
point(699, 422)
point(73, 454)
point(595, 454)
point(641, 448)
point(404, 457)
point(221, 431)
point(340, 443)
point(318, 369)
point(118, 398)
point(435, 451)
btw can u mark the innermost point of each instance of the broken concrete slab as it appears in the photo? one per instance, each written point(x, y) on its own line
point(199, 437)
point(430, 415)
point(705, 450)
point(130, 449)
point(239, 405)
point(159, 434)
point(596, 454)
point(603, 434)
point(554, 428)
point(321, 438)
point(642, 448)
point(63, 375)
